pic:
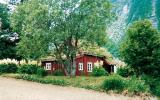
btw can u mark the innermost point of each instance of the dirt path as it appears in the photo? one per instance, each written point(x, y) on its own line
point(12, 89)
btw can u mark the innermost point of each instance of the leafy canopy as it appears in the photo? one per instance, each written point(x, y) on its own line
point(60, 25)
point(31, 20)
point(141, 48)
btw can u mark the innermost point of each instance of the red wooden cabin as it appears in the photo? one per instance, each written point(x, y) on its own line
point(84, 64)
point(51, 65)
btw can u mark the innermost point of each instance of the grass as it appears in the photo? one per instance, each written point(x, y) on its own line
point(93, 83)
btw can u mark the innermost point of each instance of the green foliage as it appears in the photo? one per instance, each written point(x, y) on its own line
point(28, 69)
point(7, 47)
point(133, 85)
point(156, 90)
point(35, 78)
point(12, 68)
point(32, 23)
point(58, 27)
point(136, 86)
point(41, 72)
point(141, 48)
point(125, 71)
point(113, 47)
point(57, 82)
point(99, 71)
point(4, 17)
point(8, 68)
point(58, 72)
point(153, 83)
point(115, 83)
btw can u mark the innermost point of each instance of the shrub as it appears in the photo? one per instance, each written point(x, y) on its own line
point(154, 84)
point(12, 68)
point(156, 90)
point(8, 68)
point(41, 72)
point(99, 71)
point(136, 86)
point(3, 68)
point(28, 69)
point(115, 82)
point(58, 72)
point(125, 71)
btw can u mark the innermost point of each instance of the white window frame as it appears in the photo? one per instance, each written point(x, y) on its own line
point(80, 66)
point(48, 66)
point(89, 67)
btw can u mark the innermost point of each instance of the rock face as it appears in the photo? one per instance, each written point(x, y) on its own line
point(117, 28)
point(128, 11)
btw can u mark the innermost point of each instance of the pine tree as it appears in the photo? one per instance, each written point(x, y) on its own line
point(8, 39)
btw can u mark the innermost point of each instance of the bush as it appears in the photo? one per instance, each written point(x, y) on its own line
point(58, 72)
point(28, 69)
point(8, 68)
point(156, 90)
point(115, 82)
point(41, 72)
point(99, 71)
point(125, 71)
point(136, 86)
point(154, 84)
point(12, 68)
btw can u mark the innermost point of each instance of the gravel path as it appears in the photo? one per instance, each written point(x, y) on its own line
point(13, 89)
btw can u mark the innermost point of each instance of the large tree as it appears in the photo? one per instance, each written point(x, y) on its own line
point(61, 26)
point(31, 21)
point(8, 39)
point(141, 48)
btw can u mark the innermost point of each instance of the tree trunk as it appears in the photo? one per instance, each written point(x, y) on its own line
point(26, 60)
point(73, 66)
point(60, 59)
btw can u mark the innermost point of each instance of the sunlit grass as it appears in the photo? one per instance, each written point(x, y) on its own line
point(93, 83)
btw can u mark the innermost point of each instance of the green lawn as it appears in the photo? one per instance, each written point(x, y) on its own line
point(93, 83)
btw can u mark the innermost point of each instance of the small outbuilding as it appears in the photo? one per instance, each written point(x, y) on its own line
point(84, 64)
point(51, 65)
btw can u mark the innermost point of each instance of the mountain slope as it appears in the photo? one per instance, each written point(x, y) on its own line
point(128, 11)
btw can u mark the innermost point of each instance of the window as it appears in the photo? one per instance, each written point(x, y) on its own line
point(89, 67)
point(48, 66)
point(80, 66)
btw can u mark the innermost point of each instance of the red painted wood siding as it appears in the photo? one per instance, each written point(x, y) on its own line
point(54, 66)
point(82, 59)
point(85, 59)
